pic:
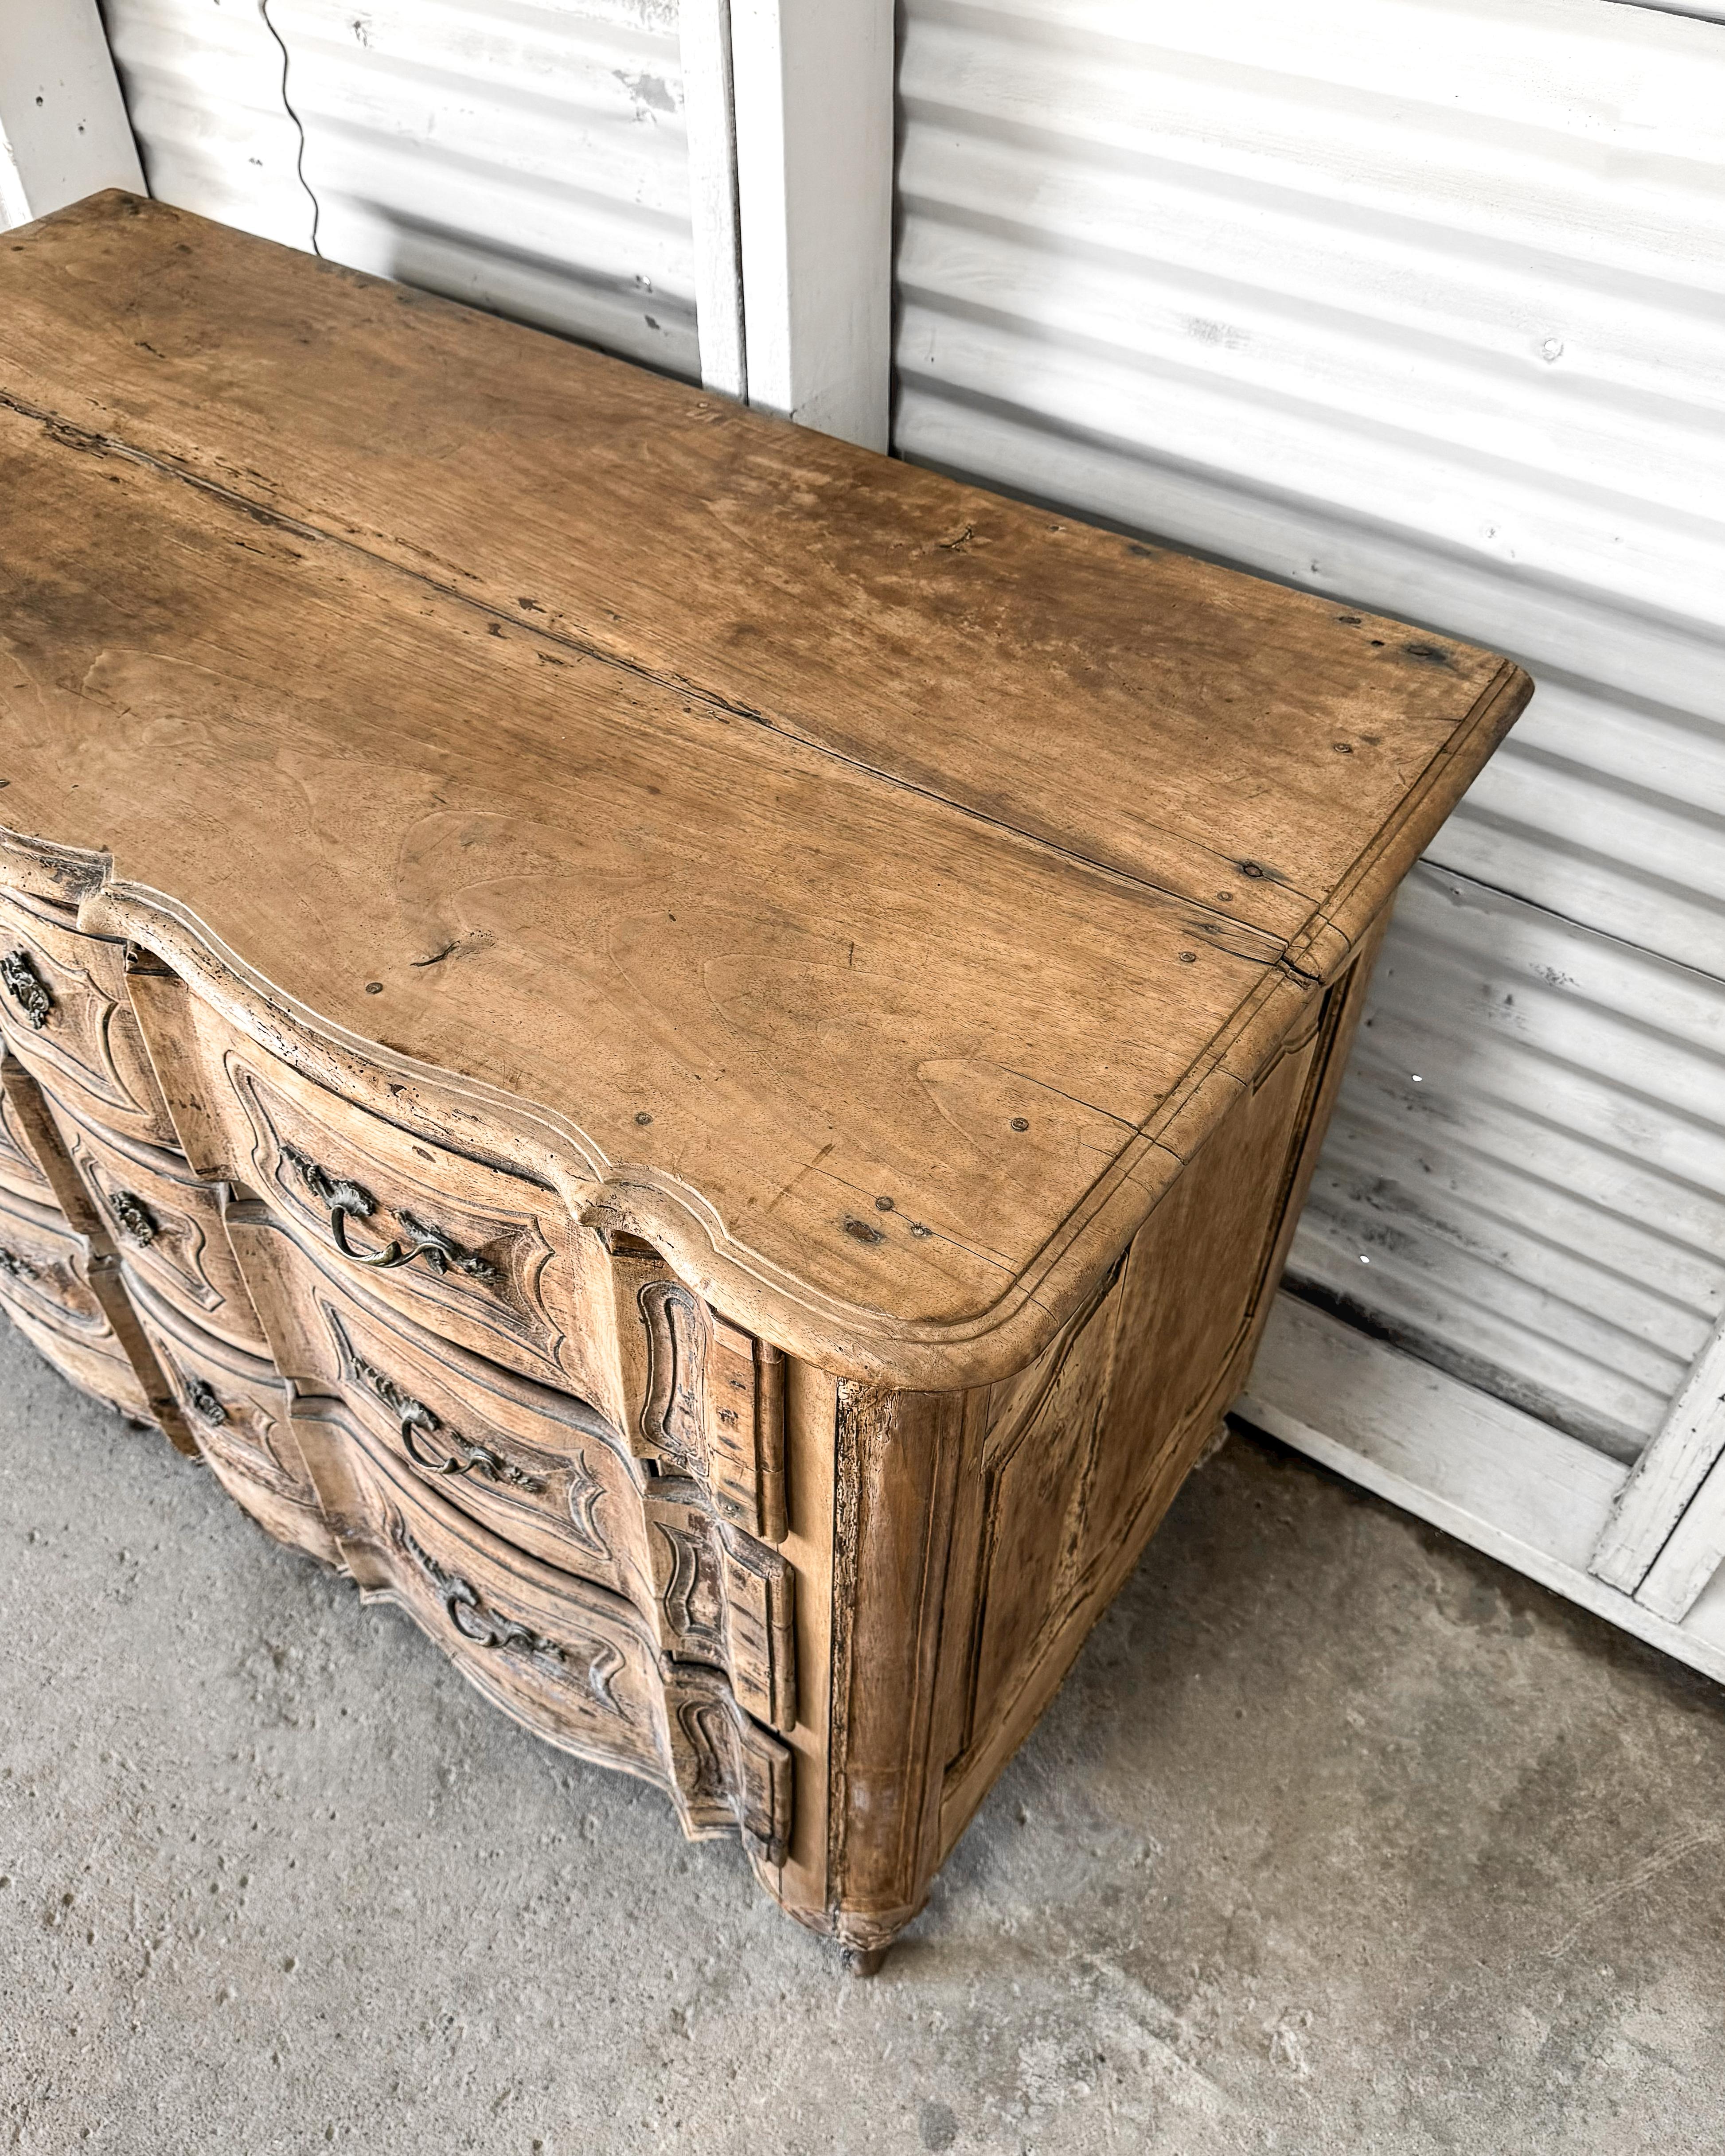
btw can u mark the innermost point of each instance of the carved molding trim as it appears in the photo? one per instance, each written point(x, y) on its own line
point(724, 1599)
point(673, 1415)
point(714, 1406)
point(730, 1772)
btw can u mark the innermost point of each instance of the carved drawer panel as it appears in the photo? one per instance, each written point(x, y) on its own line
point(721, 1597)
point(574, 1663)
point(236, 1406)
point(66, 1301)
point(543, 1468)
point(20, 1169)
point(167, 1222)
point(65, 1014)
point(478, 1254)
point(95, 1364)
point(539, 1468)
point(710, 1397)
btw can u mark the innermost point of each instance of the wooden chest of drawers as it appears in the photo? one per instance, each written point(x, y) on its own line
point(689, 1051)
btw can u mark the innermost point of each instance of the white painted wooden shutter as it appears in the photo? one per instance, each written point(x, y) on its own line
point(1420, 303)
point(530, 159)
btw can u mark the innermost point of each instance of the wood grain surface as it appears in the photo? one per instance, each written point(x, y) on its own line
point(907, 877)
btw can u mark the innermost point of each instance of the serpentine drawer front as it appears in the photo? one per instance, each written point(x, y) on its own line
point(52, 1285)
point(572, 1662)
point(481, 1253)
point(21, 1171)
point(166, 1222)
point(689, 1051)
point(238, 1408)
point(65, 1012)
point(541, 1467)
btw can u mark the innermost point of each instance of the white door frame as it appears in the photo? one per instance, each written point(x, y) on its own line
point(789, 109)
point(63, 132)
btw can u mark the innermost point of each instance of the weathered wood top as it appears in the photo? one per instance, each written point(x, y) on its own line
point(928, 869)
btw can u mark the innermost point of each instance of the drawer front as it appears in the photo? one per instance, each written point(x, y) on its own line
point(542, 1468)
point(46, 1287)
point(167, 1222)
point(237, 1407)
point(95, 1364)
point(708, 1400)
point(65, 1014)
point(45, 1270)
point(474, 1252)
point(20, 1171)
point(572, 1662)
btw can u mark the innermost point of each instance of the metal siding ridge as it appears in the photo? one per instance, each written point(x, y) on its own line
point(1525, 1179)
point(530, 159)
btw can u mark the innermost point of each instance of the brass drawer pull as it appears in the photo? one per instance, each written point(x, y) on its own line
point(15, 1267)
point(26, 986)
point(137, 1223)
point(467, 1611)
point(419, 1422)
point(383, 1261)
point(348, 1199)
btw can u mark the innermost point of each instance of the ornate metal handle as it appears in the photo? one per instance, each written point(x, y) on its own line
point(452, 1463)
point(477, 1622)
point(467, 1612)
point(383, 1261)
point(350, 1200)
point(26, 986)
point(417, 1421)
point(201, 1398)
point(137, 1223)
point(444, 1253)
point(14, 1266)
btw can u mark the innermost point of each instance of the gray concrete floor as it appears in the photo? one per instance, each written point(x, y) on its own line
point(1338, 1838)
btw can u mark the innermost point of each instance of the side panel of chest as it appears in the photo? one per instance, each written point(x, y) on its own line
point(1079, 1456)
point(979, 1535)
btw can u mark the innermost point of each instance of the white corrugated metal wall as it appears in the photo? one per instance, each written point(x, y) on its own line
point(1418, 303)
point(529, 157)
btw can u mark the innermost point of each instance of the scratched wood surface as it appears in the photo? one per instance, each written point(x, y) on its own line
point(880, 862)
